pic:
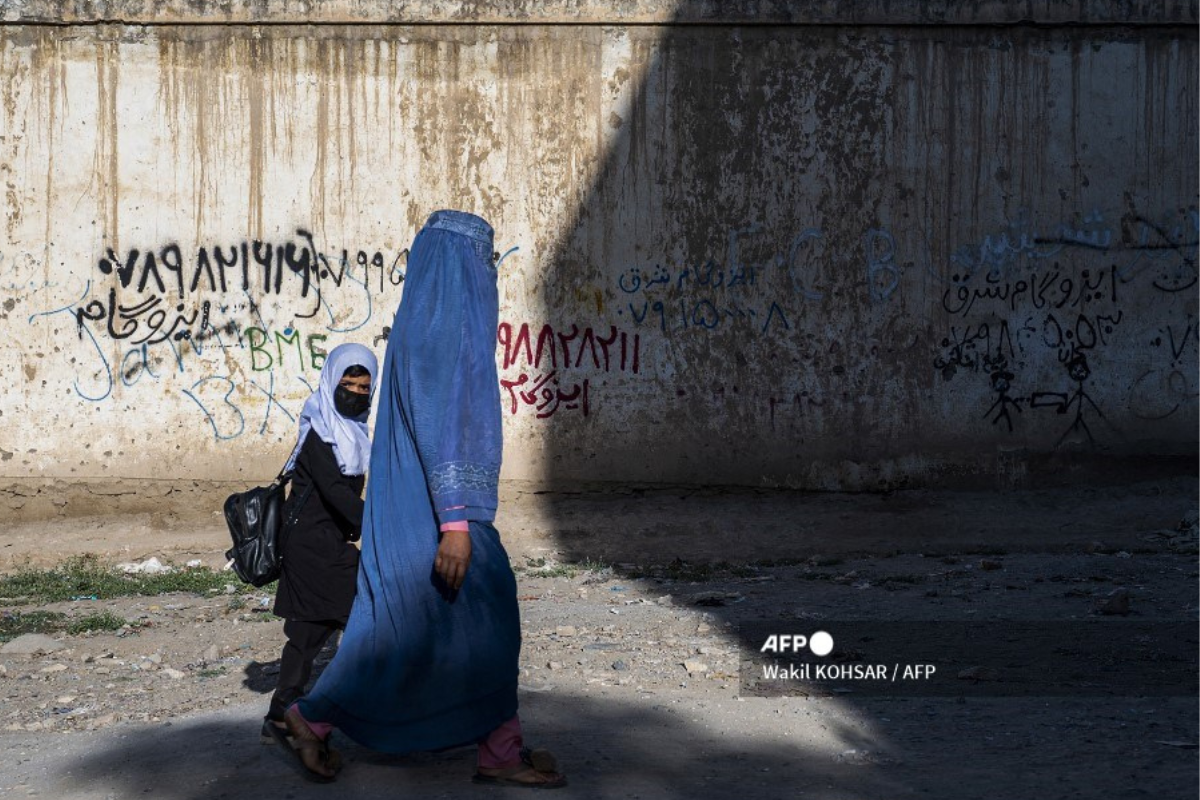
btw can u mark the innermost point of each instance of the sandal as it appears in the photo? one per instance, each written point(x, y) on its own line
point(267, 736)
point(539, 763)
point(540, 759)
point(321, 762)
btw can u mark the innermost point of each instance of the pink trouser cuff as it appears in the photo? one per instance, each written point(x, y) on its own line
point(502, 747)
point(321, 729)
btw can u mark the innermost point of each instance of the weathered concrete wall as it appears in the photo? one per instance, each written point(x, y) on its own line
point(824, 255)
point(510, 12)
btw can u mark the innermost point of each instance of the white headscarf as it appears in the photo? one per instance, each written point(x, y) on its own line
point(347, 436)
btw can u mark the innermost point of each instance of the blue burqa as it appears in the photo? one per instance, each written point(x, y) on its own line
point(421, 667)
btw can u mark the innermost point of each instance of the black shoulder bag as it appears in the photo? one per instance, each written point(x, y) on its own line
point(255, 519)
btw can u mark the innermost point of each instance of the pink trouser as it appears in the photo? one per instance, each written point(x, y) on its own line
point(502, 747)
point(500, 750)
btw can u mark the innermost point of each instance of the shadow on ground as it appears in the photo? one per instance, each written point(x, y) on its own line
point(657, 525)
point(611, 748)
point(261, 677)
point(1003, 749)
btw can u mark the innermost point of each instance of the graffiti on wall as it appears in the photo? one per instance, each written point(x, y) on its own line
point(1167, 384)
point(1020, 300)
point(1034, 318)
point(551, 358)
point(754, 286)
point(738, 291)
point(1035, 311)
point(178, 298)
point(265, 311)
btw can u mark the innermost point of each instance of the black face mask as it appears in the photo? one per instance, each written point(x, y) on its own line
point(350, 404)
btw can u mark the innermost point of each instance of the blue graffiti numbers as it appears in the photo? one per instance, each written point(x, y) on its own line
point(713, 295)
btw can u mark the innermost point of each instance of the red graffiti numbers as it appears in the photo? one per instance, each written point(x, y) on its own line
point(599, 351)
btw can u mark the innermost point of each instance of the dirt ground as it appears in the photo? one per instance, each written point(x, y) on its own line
point(634, 674)
point(697, 524)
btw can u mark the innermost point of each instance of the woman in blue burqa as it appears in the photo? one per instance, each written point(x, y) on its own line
point(429, 656)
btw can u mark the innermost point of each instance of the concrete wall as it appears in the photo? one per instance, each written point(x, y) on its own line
point(877, 244)
point(510, 12)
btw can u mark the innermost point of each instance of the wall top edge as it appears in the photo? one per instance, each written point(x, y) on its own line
point(615, 12)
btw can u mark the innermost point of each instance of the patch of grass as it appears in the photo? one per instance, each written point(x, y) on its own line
point(86, 576)
point(14, 624)
point(688, 572)
point(540, 568)
point(679, 570)
point(555, 571)
point(104, 621)
point(212, 672)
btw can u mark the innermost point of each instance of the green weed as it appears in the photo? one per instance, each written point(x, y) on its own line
point(540, 568)
point(14, 624)
point(86, 576)
point(104, 621)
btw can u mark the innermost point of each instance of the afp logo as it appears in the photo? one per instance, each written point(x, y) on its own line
point(820, 643)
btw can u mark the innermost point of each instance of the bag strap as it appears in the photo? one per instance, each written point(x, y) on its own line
point(285, 474)
point(296, 508)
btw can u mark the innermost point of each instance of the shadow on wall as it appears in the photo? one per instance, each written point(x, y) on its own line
point(696, 250)
point(614, 749)
point(727, 305)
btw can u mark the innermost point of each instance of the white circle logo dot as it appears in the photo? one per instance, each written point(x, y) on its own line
point(821, 643)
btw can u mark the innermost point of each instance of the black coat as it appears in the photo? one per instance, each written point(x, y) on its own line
point(320, 566)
